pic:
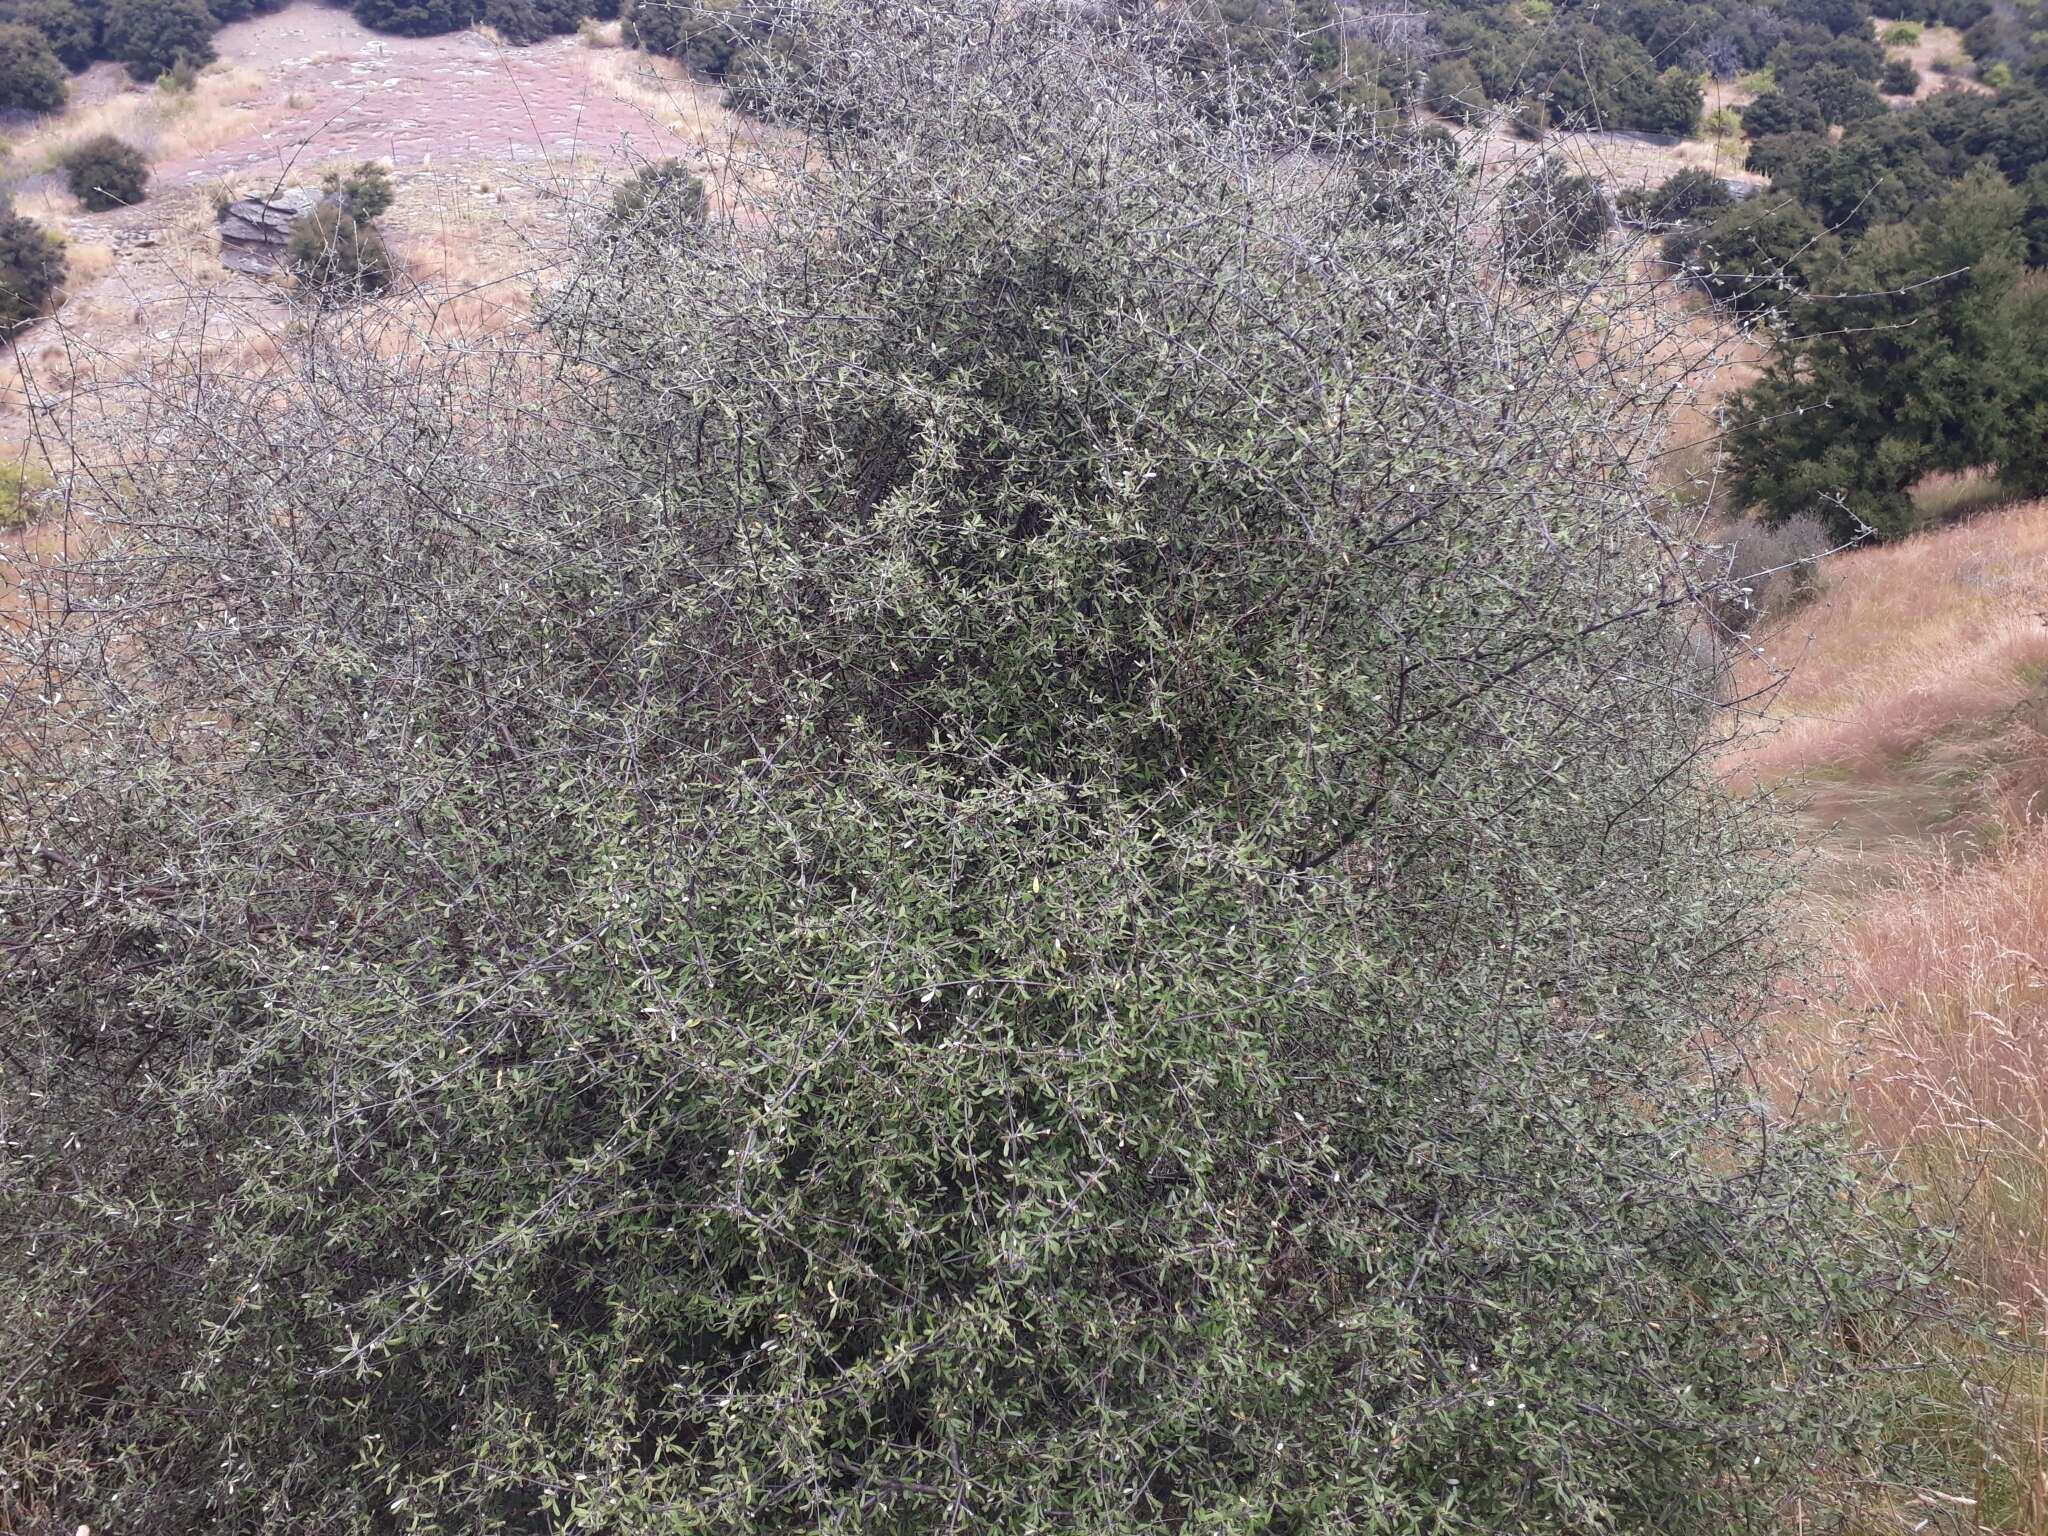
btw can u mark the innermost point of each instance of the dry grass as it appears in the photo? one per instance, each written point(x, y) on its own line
point(1936, 42)
point(164, 125)
point(662, 89)
point(1914, 728)
point(85, 264)
point(1916, 716)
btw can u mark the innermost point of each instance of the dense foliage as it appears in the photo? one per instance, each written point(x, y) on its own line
point(31, 78)
point(63, 24)
point(154, 37)
point(105, 172)
point(1023, 850)
point(664, 198)
point(1925, 353)
point(337, 256)
point(31, 268)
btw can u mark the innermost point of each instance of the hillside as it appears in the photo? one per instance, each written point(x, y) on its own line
point(1911, 731)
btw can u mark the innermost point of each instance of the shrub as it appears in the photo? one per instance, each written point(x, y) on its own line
point(365, 193)
point(103, 172)
point(984, 864)
point(1900, 78)
point(63, 24)
point(31, 269)
point(1779, 112)
point(1997, 75)
point(1721, 123)
point(415, 18)
point(666, 196)
point(155, 37)
point(1902, 34)
point(1551, 214)
point(31, 78)
point(338, 257)
point(1454, 90)
point(1755, 570)
point(1684, 195)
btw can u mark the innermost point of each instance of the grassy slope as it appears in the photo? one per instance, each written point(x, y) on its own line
point(1913, 731)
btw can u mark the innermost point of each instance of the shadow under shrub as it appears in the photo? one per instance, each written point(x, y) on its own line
point(1023, 850)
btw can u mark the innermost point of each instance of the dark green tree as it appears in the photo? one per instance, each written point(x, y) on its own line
point(1684, 196)
point(1759, 256)
point(31, 269)
point(63, 24)
point(416, 18)
point(31, 78)
point(1903, 368)
point(154, 37)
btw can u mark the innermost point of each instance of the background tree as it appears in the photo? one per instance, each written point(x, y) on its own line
point(415, 18)
point(1904, 369)
point(63, 24)
point(1759, 256)
point(31, 78)
point(153, 37)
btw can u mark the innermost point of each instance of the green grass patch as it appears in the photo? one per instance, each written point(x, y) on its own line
point(23, 489)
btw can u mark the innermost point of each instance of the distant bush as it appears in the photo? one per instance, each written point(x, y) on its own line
point(31, 269)
point(154, 37)
point(1902, 34)
point(1721, 123)
point(1779, 112)
point(1549, 215)
point(1997, 74)
point(31, 76)
point(1453, 89)
point(1900, 78)
point(103, 172)
point(338, 257)
point(708, 37)
point(63, 24)
point(664, 197)
point(415, 18)
point(1684, 195)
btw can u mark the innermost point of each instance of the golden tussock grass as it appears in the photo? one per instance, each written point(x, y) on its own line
point(85, 264)
point(665, 92)
point(1913, 731)
point(164, 125)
